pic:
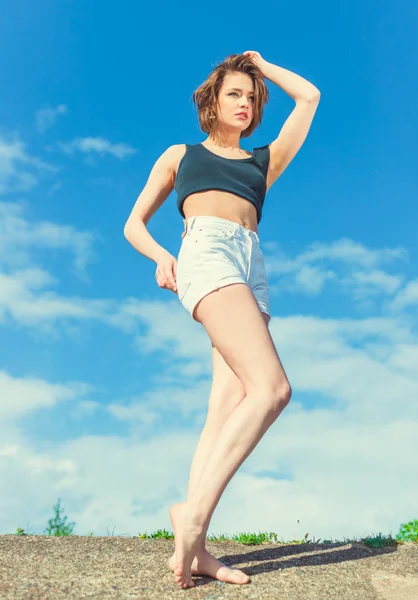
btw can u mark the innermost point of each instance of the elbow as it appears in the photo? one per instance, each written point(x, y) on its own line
point(131, 225)
point(315, 96)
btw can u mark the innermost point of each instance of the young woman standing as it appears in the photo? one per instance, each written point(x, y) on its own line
point(221, 279)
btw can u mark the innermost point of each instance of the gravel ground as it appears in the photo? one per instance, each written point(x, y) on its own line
point(80, 567)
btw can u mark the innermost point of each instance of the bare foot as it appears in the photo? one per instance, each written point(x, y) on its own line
point(204, 563)
point(188, 534)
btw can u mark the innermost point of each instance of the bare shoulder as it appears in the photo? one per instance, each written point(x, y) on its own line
point(177, 151)
point(169, 160)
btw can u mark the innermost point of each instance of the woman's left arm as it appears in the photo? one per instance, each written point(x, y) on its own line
point(287, 144)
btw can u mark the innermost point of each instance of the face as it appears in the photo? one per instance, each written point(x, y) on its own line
point(232, 101)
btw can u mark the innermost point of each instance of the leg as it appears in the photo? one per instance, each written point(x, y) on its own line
point(250, 353)
point(226, 394)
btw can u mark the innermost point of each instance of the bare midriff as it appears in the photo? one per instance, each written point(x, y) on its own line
point(217, 203)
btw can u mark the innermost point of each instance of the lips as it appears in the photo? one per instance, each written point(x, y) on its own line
point(241, 114)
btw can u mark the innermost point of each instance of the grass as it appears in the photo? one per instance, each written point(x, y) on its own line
point(408, 532)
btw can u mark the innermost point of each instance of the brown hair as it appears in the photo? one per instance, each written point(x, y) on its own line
point(206, 95)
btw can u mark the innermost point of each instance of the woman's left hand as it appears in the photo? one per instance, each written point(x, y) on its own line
point(257, 59)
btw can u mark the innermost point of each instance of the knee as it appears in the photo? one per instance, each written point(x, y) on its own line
point(279, 397)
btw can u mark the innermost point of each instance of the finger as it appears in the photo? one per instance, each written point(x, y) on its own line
point(169, 277)
point(162, 281)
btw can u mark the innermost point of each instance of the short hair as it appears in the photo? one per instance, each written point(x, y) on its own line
point(206, 95)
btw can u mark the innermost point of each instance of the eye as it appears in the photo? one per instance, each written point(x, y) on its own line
point(235, 94)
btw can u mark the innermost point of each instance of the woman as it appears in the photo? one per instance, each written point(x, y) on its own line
point(221, 279)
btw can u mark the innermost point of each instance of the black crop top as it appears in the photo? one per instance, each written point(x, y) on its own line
point(201, 169)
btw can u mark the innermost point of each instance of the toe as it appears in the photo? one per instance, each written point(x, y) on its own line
point(183, 580)
point(240, 576)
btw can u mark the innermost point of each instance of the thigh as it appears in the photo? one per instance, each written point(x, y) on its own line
point(227, 388)
point(238, 330)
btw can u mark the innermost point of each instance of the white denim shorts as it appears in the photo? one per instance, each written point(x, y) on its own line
point(216, 252)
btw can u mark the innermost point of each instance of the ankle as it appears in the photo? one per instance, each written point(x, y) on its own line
point(195, 517)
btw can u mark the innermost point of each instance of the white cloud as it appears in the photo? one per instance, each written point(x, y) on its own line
point(352, 253)
point(311, 279)
point(21, 235)
point(404, 358)
point(406, 297)
point(20, 397)
point(374, 282)
point(22, 300)
point(25, 294)
point(46, 117)
point(15, 165)
point(85, 408)
point(350, 266)
point(327, 357)
point(99, 145)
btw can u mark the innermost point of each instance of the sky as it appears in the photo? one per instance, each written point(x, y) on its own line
point(104, 376)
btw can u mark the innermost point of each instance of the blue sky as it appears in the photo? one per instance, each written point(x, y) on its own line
point(101, 370)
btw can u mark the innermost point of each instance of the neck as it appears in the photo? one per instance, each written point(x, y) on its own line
point(224, 139)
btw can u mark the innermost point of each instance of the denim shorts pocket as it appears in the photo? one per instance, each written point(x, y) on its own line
point(182, 275)
point(182, 289)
